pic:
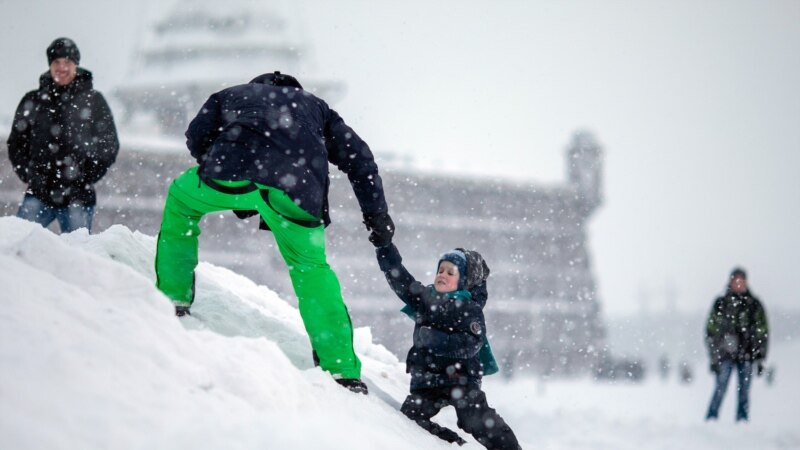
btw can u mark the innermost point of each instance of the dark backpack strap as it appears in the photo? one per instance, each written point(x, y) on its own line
point(302, 223)
point(232, 190)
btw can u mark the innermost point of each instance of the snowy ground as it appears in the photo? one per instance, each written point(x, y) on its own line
point(91, 357)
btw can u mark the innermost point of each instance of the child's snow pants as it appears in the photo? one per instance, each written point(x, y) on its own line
point(301, 241)
point(475, 416)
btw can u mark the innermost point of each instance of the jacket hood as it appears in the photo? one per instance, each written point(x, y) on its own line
point(477, 269)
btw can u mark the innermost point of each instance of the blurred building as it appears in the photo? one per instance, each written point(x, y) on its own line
point(543, 312)
point(199, 47)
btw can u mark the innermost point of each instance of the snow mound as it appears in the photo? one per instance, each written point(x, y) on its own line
point(91, 356)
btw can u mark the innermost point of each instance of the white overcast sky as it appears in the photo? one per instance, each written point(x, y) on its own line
point(696, 103)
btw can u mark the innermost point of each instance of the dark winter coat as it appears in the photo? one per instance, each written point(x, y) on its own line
point(737, 329)
point(63, 140)
point(283, 137)
point(448, 330)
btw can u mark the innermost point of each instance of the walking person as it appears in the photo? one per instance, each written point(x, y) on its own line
point(737, 336)
point(263, 148)
point(62, 142)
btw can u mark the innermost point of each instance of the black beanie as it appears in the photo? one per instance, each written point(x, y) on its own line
point(738, 272)
point(63, 48)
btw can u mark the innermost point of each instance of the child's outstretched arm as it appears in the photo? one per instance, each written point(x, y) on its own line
point(400, 280)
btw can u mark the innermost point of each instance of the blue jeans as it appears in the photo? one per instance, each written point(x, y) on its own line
point(70, 218)
point(745, 371)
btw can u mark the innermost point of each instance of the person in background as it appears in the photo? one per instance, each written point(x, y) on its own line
point(63, 141)
point(449, 357)
point(263, 148)
point(737, 336)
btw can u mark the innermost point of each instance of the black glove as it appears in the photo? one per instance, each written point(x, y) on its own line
point(715, 368)
point(760, 368)
point(382, 228)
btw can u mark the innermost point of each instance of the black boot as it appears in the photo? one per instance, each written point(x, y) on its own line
point(354, 384)
point(181, 311)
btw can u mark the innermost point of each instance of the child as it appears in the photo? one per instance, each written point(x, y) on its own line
point(449, 333)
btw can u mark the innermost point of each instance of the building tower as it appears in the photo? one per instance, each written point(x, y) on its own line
point(584, 170)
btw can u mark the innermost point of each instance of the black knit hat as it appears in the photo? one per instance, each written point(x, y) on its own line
point(277, 79)
point(63, 48)
point(738, 272)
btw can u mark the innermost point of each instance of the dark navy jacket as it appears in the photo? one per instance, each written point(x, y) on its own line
point(63, 140)
point(448, 330)
point(283, 137)
point(737, 328)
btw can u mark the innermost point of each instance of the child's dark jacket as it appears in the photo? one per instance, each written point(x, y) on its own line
point(449, 328)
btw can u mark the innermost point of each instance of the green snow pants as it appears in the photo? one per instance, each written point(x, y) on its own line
point(302, 246)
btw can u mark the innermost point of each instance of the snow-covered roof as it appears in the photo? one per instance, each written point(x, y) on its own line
point(199, 47)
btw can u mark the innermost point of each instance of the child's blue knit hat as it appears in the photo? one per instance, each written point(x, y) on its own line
point(459, 259)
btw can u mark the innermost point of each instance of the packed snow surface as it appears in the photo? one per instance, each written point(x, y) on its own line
point(92, 357)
